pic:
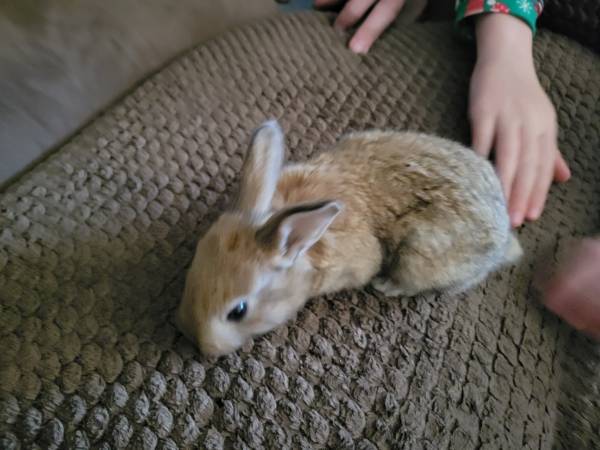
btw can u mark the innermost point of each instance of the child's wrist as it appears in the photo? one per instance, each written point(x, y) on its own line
point(503, 37)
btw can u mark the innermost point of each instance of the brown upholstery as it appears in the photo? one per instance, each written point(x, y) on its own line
point(578, 19)
point(94, 243)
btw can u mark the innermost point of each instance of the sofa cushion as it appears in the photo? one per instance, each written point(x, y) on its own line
point(63, 61)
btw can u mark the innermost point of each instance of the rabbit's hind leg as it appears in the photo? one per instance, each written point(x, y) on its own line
point(391, 288)
point(422, 266)
point(400, 279)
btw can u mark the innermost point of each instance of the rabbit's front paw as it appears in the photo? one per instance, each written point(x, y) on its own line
point(389, 288)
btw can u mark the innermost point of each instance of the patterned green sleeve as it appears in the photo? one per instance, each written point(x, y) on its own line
point(527, 10)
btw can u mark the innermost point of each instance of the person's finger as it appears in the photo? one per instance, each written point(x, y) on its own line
point(572, 297)
point(578, 264)
point(526, 177)
point(561, 169)
point(588, 312)
point(507, 155)
point(378, 20)
point(325, 3)
point(482, 131)
point(573, 293)
point(541, 187)
point(594, 334)
point(352, 12)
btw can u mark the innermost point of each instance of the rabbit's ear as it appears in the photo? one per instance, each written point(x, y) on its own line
point(292, 231)
point(261, 169)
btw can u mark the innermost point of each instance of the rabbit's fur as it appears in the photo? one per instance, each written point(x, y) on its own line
point(421, 212)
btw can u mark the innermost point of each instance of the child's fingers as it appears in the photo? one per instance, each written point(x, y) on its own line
point(544, 179)
point(482, 130)
point(507, 154)
point(561, 298)
point(352, 13)
point(593, 333)
point(561, 169)
point(379, 19)
point(573, 293)
point(529, 166)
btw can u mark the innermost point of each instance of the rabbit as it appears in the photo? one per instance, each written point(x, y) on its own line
point(409, 212)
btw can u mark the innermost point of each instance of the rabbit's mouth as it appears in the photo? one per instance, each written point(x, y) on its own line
point(218, 338)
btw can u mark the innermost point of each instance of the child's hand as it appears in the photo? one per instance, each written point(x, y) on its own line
point(574, 293)
point(510, 111)
point(382, 15)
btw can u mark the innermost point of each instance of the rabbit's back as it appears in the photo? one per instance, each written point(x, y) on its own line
point(434, 194)
point(402, 172)
point(412, 163)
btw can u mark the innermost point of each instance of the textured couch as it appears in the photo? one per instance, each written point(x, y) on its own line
point(95, 240)
point(64, 61)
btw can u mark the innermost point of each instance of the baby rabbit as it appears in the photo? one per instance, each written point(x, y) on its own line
point(422, 212)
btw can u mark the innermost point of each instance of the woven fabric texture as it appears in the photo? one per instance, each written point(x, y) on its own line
point(578, 19)
point(94, 243)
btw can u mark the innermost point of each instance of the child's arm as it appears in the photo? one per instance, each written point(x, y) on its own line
point(509, 109)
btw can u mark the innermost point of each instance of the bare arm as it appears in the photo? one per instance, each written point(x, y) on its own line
point(510, 112)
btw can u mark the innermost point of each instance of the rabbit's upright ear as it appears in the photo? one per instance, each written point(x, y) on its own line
point(261, 169)
point(292, 231)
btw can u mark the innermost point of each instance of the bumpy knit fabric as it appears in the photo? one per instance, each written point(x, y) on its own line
point(578, 19)
point(94, 243)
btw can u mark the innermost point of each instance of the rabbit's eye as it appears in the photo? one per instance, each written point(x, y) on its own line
point(239, 312)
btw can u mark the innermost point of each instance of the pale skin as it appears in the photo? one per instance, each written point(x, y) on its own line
point(510, 112)
point(511, 115)
point(574, 292)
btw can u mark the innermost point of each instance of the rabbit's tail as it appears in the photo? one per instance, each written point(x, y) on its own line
point(514, 251)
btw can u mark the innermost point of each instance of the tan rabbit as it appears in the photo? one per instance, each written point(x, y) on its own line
point(422, 212)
